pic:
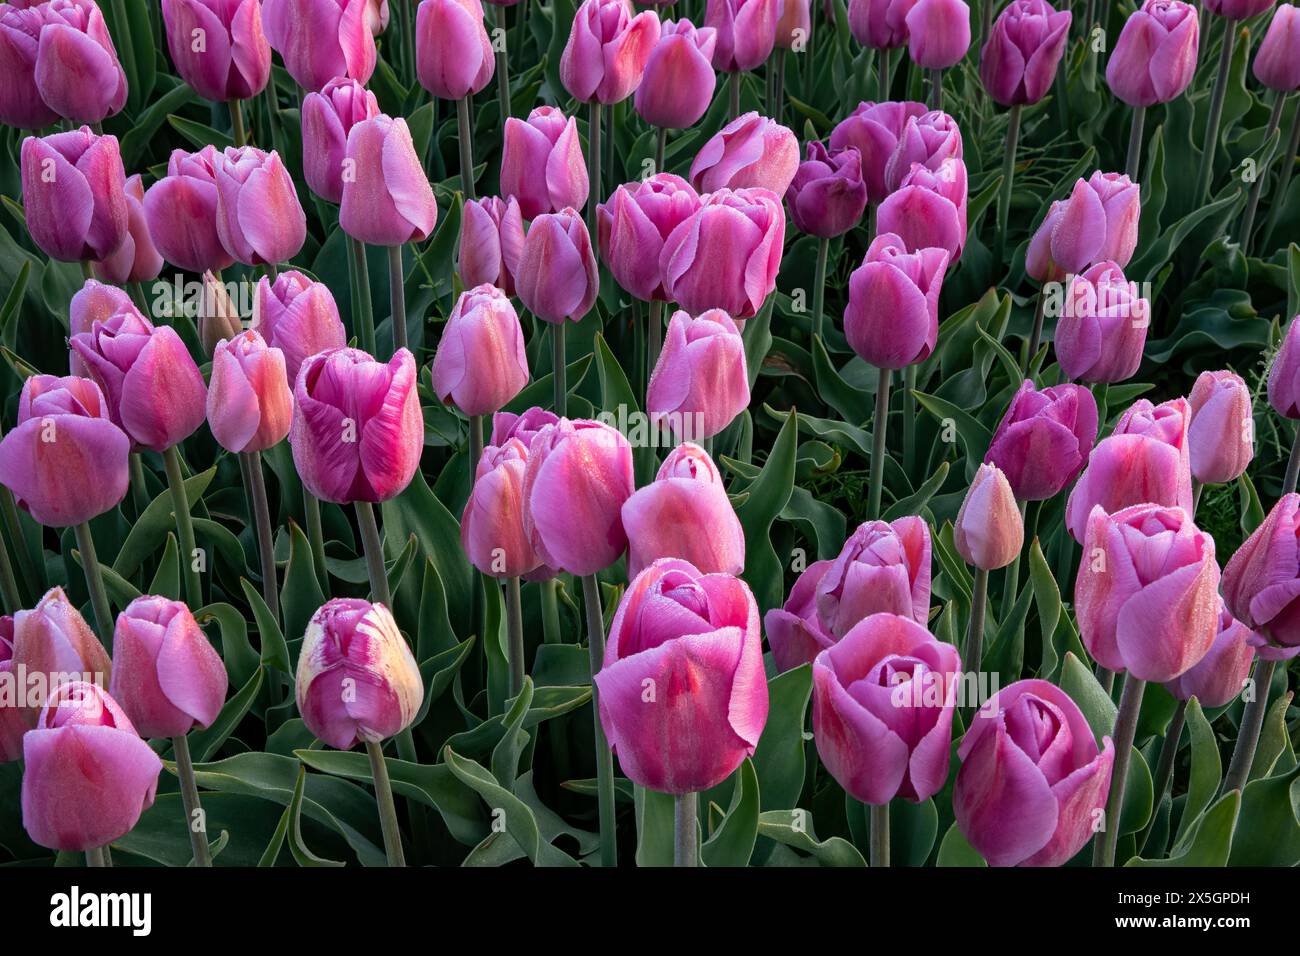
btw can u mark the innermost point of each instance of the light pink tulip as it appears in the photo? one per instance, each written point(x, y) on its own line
point(750, 151)
point(74, 194)
point(298, 316)
point(875, 129)
point(1103, 326)
point(388, 201)
point(542, 165)
point(678, 84)
point(492, 526)
point(136, 259)
point(633, 225)
point(250, 405)
point(491, 242)
point(607, 51)
point(701, 382)
point(1223, 672)
point(480, 363)
point(181, 210)
point(321, 39)
point(53, 644)
point(989, 532)
point(453, 55)
point(327, 118)
point(746, 32)
point(892, 317)
point(883, 567)
point(1097, 223)
point(1222, 433)
point(558, 277)
point(259, 218)
point(795, 631)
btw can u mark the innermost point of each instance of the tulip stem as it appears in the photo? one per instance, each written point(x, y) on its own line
point(879, 428)
point(1040, 307)
point(1284, 178)
point(883, 79)
point(1164, 768)
point(463, 134)
point(365, 317)
point(593, 165)
point(686, 832)
point(909, 419)
point(936, 89)
point(1134, 162)
point(194, 819)
point(1257, 187)
point(558, 376)
point(397, 296)
point(819, 287)
point(661, 147)
point(733, 93)
point(1206, 174)
point(1292, 465)
point(139, 493)
point(387, 809)
point(986, 20)
point(604, 759)
point(1252, 719)
point(255, 488)
point(316, 536)
point(1011, 583)
point(975, 636)
point(95, 583)
point(374, 551)
point(184, 527)
point(95, 857)
point(1130, 706)
point(879, 847)
point(26, 567)
point(1008, 177)
point(475, 445)
point(503, 73)
point(654, 342)
point(237, 131)
point(515, 625)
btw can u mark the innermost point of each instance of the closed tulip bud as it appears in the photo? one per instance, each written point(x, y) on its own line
point(357, 432)
point(1097, 223)
point(1222, 433)
point(1032, 778)
point(879, 24)
point(524, 426)
point(327, 118)
point(1277, 64)
point(938, 33)
point(181, 210)
point(883, 703)
point(218, 317)
point(1224, 670)
point(259, 218)
point(387, 200)
point(989, 531)
point(607, 51)
point(579, 474)
point(218, 46)
point(12, 726)
point(928, 210)
point(166, 675)
point(1103, 326)
point(1261, 582)
point(1155, 56)
point(453, 55)
point(883, 567)
point(21, 105)
point(1020, 56)
point(250, 405)
point(75, 66)
point(701, 381)
point(298, 316)
point(827, 196)
point(750, 151)
point(746, 32)
point(727, 254)
point(684, 513)
point(928, 140)
point(357, 681)
point(136, 259)
point(155, 392)
point(492, 527)
point(542, 165)
point(1238, 9)
point(377, 16)
point(633, 225)
point(53, 644)
point(491, 242)
point(558, 277)
point(694, 639)
point(892, 317)
point(93, 302)
point(74, 194)
point(1044, 439)
point(480, 363)
point(87, 774)
point(678, 83)
point(874, 129)
point(795, 631)
point(1144, 459)
point(795, 26)
point(1284, 375)
point(321, 39)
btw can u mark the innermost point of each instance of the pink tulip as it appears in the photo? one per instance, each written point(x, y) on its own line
point(875, 129)
point(928, 210)
point(491, 242)
point(879, 24)
point(795, 25)
point(607, 51)
point(59, 61)
point(928, 140)
point(684, 513)
point(883, 567)
point(558, 277)
point(883, 704)
point(1277, 64)
point(525, 426)
point(12, 725)
point(746, 32)
point(93, 302)
point(492, 526)
point(388, 200)
point(219, 319)
point(21, 105)
point(1284, 374)
point(827, 196)
point(166, 675)
point(678, 84)
point(633, 225)
point(938, 33)
point(795, 630)
point(693, 639)
point(298, 316)
point(327, 118)
point(181, 210)
point(542, 164)
point(1044, 439)
point(250, 405)
point(750, 151)
point(52, 644)
point(1032, 778)
point(1261, 582)
point(136, 259)
point(1223, 672)
point(1019, 59)
point(989, 532)
point(321, 39)
point(1222, 433)
point(74, 194)
point(259, 218)
point(357, 432)
point(1155, 56)
point(1238, 9)
point(892, 317)
point(1097, 223)
point(233, 60)
point(87, 776)
point(480, 364)
point(579, 474)
point(1147, 592)
point(1103, 326)
point(453, 55)
point(357, 681)
point(377, 16)
point(700, 382)
point(65, 462)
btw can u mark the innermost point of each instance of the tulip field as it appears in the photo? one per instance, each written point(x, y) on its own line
point(702, 433)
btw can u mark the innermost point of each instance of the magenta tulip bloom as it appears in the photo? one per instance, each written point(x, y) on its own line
point(388, 200)
point(827, 196)
point(727, 254)
point(678, 83)
point(1103, 326)
point(684, 513)
point(875, 129)
point(883, 702)
point(250, 404)
point(879, 24)
point(795, 630)
point(492, 526)
point(633, 225)
point(928, 210)
point(65, 462)
point(750, 151)
point(218, 46)
point(558, 277)
point(693, 639)
point(701, 382)
point(928, 140)
point(93, 302)
point(579, 474)
point(1155, 56)
point(63, 49)
point(1261, 582)
point(327, 118)
point(892, 318)
point(357, 681)
point(21, 105)
point(298, 316)
point(136, 259)
point(525, 426)
point(607, 51)
point(74, 194)
point(1222, 433)
point(321, 39)
point(181, 210)
point(453, 55)
point(542, 164)
point(166, 675)
point(1020, 56)
point(1222, 673)
point(491, 242)
point(1044, 439)
point(1097, 223)
point(87, 776)
point(938, 33)
point(480, 363)
point(1238, 9)
point(1284, 374)
point(1032, 778)
point(53, 643)
point(1277, 64)
point(989, 532)
point(12, 725)
point(259, 218)
point(357, 432)
point(883, 567)
point(1147, 595)
point(746, 32)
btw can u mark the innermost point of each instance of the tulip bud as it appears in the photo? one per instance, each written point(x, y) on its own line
point(542, 164)
point(93, 302)
point(989, 531)
point(1103, 326)
point(76, 70)
point(453, 55)
point(65, 462)
point(525, 426)
point(21, 105)
point(218, 317)
point(249, 402)
point(388, 200)
point(928, 210)
point(607, 51)
point(795, 24)
point(259, 218)
point(1261, 582)
point(1044, 439)
point(1221, 436)
point(491, 242)
point(298, 316)
point(879, 24)
point(12, 725)
point(1019, 59)
point(558, 277)
point(181, 210)
point(827, 196)
point(746, 32)
point(53, 644)
point(377, 16)
point(1277, 64)
point(1155, 56)
point(1284, 374)
point(682, 694)
point(327, 118)
point(928, 140)
point(633, 225)
point(1225, 669)
point(357, 432)
point(1238, 9)
point(1098, 223)
point(234, 60)
point(492, 527)
point(1032, 778)
point(938, 33)
point(321, 39)
point(751, 151)
point(480, 364)
point(883, 567)
point(74, 194)
point(352, 643)
point(678, 84)
point(136, 259)
point(701, 381)
point(874, 129)
point(892, 318)
point(795, 630)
